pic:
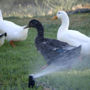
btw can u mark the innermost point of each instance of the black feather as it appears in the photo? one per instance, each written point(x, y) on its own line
point(53, 50)
point(4, 34)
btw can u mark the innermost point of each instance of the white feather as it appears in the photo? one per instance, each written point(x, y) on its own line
point(14, 32)
point(72, 37)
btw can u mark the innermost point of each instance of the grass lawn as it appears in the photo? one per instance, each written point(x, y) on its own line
point(17, 63)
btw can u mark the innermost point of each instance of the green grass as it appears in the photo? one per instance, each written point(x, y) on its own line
point(17, 63)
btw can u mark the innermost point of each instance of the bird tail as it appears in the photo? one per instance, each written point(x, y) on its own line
point(76, 52)
point(1, 17)
point(78, 49)
point(4, 34)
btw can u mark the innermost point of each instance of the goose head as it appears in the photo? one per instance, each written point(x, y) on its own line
point(36, 24)
point(60, 15)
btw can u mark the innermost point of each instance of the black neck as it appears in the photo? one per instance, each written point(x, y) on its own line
point(40, 31)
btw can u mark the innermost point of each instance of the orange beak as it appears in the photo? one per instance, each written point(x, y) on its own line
point(54, 18)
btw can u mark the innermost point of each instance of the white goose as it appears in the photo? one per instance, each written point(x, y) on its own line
point(72, 37)
point(14, 32)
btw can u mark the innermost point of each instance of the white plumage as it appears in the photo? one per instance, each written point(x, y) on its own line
point(14, 32)
point(72, 37)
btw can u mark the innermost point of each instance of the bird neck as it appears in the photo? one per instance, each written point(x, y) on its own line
point(65, 22)
point(40, 31)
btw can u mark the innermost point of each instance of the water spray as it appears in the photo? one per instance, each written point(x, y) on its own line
point(48, 70)
point(63, 64)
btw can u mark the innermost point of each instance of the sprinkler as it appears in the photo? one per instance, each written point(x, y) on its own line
point(31, 82)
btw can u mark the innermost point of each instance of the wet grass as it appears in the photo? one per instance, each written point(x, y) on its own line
point(17, 63)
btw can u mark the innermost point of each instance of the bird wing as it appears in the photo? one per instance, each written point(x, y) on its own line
point(81, 37)
point(59, 44)
point(74, 37)
point(1, 17)
point(54, 49)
